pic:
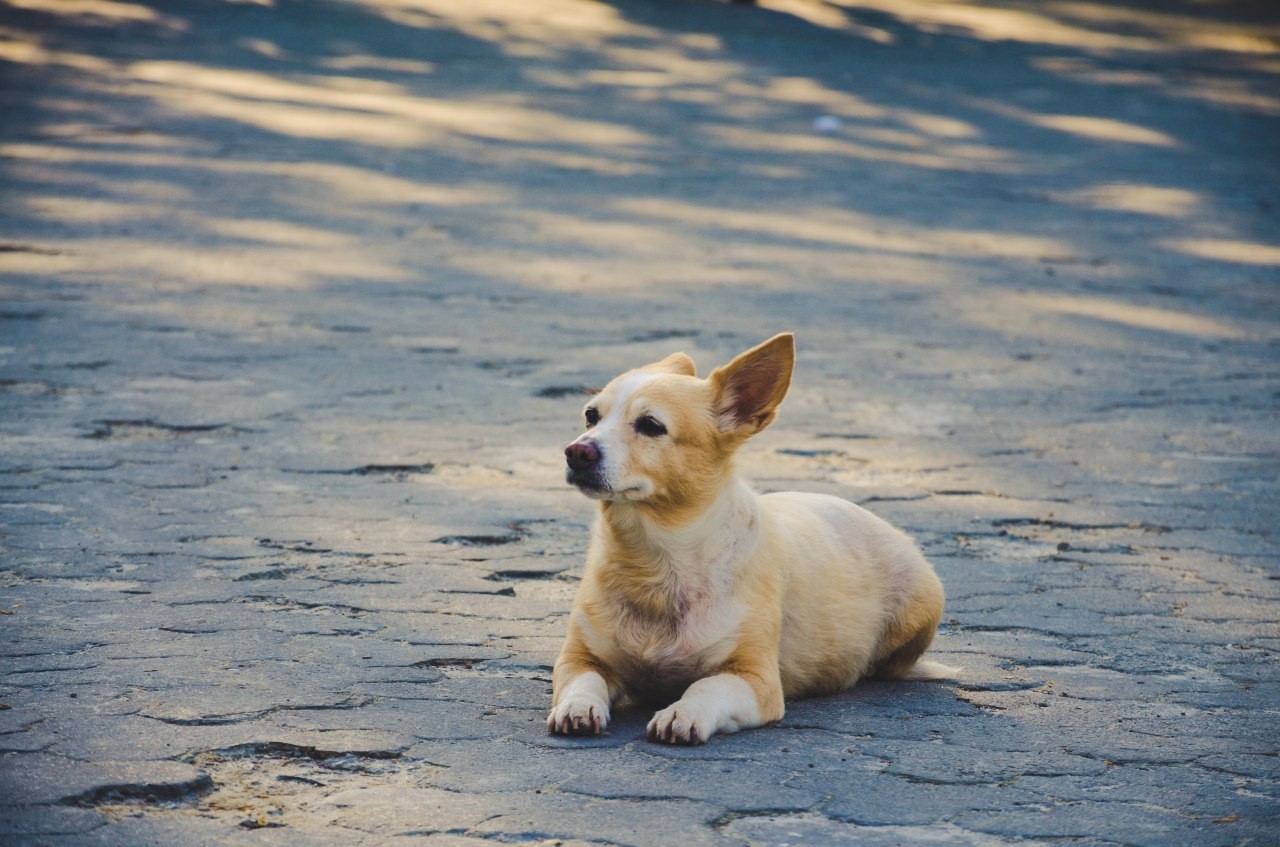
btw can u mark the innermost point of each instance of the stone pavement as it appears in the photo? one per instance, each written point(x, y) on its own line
point(298, 300)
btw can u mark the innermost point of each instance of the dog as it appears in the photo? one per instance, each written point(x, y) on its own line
point(710, 600)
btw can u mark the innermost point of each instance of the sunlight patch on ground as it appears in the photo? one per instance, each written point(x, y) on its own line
point(103, 12)
point(283, 233)
point(1080, 25)
point(1252, 94)
point(1184, 31)
point(828, 16)
point(351, 183)
point(1083, 126)
point(873, 146)
point(1227, 250)
point(843, 228)
point(358, 62)
point(356, 109)
point(528, 29)
point(1130, 315)
point(1154, 200)
point(1102, 129)
point(22, 51)
point(997, 24)
point(128, 260)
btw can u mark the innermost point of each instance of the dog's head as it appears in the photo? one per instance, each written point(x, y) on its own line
point(662, 436)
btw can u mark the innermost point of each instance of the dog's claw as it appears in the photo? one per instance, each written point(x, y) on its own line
point(571, 720)
point(672, 727)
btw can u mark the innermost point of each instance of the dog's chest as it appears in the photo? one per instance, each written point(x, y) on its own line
point(679, 615)
point(697, 632)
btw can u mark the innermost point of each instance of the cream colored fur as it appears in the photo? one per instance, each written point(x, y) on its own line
point(697, 590)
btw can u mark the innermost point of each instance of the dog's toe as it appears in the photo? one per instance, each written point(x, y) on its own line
point(577, 718)
point(672, 726)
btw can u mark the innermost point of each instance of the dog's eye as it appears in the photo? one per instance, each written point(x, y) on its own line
point(593, 417)
point(650, 426)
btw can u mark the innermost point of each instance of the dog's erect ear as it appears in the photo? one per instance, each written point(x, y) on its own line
point(676, 363)
point(749, 389)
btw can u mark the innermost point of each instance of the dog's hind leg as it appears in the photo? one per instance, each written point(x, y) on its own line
point(905, 662)
point(907, 637)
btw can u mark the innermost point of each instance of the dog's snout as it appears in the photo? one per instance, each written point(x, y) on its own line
point(582, 455)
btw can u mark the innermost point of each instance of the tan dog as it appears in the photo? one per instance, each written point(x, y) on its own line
point(698, 590)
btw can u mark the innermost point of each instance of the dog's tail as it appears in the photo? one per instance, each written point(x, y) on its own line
point(927, 670)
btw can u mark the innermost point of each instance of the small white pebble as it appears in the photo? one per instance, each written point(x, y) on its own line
point(827, 124)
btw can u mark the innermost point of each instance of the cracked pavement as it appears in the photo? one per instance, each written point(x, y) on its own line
point(298, 301)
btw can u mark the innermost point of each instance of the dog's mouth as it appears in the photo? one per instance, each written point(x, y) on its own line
point(589, 482)
point(593, 485)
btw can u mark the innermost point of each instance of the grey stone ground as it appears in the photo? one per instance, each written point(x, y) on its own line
point(298, 299)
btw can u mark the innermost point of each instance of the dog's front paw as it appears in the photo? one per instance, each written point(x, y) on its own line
point(578, 716)
point(682, 723)
point(722, 703)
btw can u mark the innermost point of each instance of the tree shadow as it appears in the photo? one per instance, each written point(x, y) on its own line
point(1029, 249)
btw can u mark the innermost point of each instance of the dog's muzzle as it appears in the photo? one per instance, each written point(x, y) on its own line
point(585, 462)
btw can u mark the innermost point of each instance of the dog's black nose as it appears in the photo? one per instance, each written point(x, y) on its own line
point(582, 455)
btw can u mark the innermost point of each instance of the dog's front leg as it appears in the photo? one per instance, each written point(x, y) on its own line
point(581, 694)
point(580, 706)
point(726, 702)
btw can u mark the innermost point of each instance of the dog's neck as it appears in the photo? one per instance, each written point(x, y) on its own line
point(726, 531)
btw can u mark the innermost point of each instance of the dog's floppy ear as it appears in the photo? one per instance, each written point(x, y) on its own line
point(749, 389)
point(676, 363)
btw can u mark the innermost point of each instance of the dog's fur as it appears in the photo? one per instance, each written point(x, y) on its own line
point(698, 590)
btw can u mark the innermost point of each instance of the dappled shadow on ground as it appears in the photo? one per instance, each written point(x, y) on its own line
point(999, 200)
point(299, 298)
point(557, 144)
